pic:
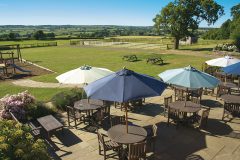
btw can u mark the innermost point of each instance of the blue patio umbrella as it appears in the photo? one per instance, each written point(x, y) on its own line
point(189, 77)
point(232, 69)
point(123, 86)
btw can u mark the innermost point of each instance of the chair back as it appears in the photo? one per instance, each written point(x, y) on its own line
point(106, 111)
point(173, 113)
point(137, 151)
point(204, 116)
point(101, 141)
point(232, 108)
point(167, 100)
point(195, 100)
point(179, 94)
point(118, 120)
point(70, 111)
point(220, 76)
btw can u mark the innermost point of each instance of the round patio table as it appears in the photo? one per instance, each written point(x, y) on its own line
point(228, 85)
point(82, 105)
point(185, 106)
point(119, 134)
point(231, 98)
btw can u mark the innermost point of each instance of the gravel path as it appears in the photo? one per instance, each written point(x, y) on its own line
point(35, 84)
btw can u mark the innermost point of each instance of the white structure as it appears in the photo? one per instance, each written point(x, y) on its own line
point(223, 61)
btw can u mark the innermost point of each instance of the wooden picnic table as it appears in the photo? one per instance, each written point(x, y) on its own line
point(119, 134)
point(50, 124)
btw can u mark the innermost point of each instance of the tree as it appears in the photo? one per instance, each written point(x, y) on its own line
point(12, 36)
point(182, 17)
point(39, 35)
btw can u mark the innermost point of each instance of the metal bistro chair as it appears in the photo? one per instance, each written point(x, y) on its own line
point(167, 100)
point(74, 115)
point(107, 145)
point(115, 120)
point(137, 151)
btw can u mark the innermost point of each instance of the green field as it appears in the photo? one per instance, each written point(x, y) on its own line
point(64, 57)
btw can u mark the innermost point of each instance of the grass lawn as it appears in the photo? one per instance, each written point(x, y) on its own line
point(42, 94)
point(64, 58)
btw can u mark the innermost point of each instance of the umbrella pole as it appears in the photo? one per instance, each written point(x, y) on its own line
point(126, 112)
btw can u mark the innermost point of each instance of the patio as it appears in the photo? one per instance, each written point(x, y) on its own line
point(220, 140)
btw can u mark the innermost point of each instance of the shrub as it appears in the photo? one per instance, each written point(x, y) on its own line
point(62, 99)
point(24, 107)
point(38, 109)
point(16, 142)
point(17, 104)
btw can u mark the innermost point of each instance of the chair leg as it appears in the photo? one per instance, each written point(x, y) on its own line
point(105, 155)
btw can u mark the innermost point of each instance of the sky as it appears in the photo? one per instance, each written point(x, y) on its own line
point(90, 12)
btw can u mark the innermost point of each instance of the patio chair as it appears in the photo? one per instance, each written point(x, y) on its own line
point(152, 138)
point(74, 116)
point(167, 100)
point(106, 145)
point(180, 94)
point(173, 114)
point(115, 120)
point(231, 109)
point(35, 130)
point(197, 94)
point(195, 100)
point(200, 121)
point(137, 151)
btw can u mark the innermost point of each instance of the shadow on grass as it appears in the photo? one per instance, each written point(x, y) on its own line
point(197, 49)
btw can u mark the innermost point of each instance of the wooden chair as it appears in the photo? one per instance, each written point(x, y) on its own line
point(137, 151)
point(200, 121)
point(35, 130)
point(106, 145)
point(180, 94)
point(167, 100)
point(115, 120)
point(74, 116)
point(173, 114)
point(197, 94)
point(195, 100)
point(231, 109)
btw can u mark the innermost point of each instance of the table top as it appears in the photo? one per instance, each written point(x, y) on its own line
point(119, 134)
point(187, 106)
point(228, 84)
point(231, 98)
point(49, 123)
point(83, 105)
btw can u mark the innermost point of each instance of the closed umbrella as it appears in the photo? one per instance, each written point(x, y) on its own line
point(232, 69)
point(189, 77)
point(223, 61)
point(83, 75)
point(123, 86)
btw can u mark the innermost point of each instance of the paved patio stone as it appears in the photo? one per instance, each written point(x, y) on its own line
point(219, 141)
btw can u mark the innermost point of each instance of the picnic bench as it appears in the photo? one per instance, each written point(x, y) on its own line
point(155, 60)
point(130, 58)
point(35, 130)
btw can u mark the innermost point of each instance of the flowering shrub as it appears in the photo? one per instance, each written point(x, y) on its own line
point(226, 47)
point(17, 104)
point(16, 142)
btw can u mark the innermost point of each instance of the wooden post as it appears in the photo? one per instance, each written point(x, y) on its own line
point(126, 112)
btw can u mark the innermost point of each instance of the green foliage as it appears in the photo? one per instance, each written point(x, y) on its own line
point(229, 29)
point(17, 143)
point(39, 109)
point(181, 18)
point(61, 100)
point(39, 35)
